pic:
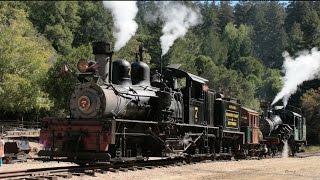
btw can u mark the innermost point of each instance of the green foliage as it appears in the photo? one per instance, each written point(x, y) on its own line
point(238, 42)
point(249, 66)
point(24, 62)
point(57, 20)
point(129, 52)
point(225, 14)
point(95, 24)
point(310, 104)
point(212, 46)
point(304, 21)
point(272, 84)
point(312, 149)
point(203, 65)
point(296, 38)
point(269, 36)
point(233, 84)
point(184, 51)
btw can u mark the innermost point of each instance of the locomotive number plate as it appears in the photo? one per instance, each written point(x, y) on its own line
point(84, 103)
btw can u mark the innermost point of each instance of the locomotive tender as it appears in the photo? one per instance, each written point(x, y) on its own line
point(129, 113)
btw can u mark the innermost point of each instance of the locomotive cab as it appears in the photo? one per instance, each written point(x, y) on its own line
point(195, 97)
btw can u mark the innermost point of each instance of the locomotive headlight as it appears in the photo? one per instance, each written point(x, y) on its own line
point(87, 66)
point(83, 65)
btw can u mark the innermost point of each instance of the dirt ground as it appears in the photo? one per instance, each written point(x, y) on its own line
point(278, 168)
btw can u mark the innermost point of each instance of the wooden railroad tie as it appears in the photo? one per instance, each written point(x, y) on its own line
point(150, 167)
point(141, 168)
point(123, 169)
point(90, 173)
point(134, 168)
point(103, 172)
point(78, 174)
point(35, 178)
point(39, 174)
point(66, 176)
point(113, 170)
point(51, 177)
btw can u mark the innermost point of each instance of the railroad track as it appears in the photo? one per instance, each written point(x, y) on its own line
point(68, 172)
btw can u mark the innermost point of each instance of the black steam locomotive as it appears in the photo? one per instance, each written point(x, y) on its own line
point(129, 112)
point(285, 124)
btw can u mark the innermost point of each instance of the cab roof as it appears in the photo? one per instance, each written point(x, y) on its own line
point(180, 73)
point(250, 110)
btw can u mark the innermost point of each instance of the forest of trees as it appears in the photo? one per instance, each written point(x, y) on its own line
point(238, 48)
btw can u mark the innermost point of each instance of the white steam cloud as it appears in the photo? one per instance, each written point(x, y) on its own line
point(285, 150)
point(177, 20)
point(123, 13)
point(305, 67)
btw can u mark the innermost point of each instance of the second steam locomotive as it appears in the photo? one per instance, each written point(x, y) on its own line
point(129, 113)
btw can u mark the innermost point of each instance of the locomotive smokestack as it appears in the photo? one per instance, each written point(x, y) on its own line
point(103, 57)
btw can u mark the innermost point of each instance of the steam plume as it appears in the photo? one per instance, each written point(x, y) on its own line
point(305, 67)
point(285, 150)
point(177, 20)
point(123, 13)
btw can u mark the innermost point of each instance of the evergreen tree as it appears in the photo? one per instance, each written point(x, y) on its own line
point(237, 41)
point(95, 25)
point(225, 15)
point(303, 13)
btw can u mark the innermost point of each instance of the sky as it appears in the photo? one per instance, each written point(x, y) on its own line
point(233, 3)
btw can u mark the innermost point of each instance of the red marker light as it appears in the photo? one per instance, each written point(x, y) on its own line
point(205, 87)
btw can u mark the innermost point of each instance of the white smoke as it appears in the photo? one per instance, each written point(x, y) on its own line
point(177, 20)
point(305, 67)
point(285, 150)
point(123, 13)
